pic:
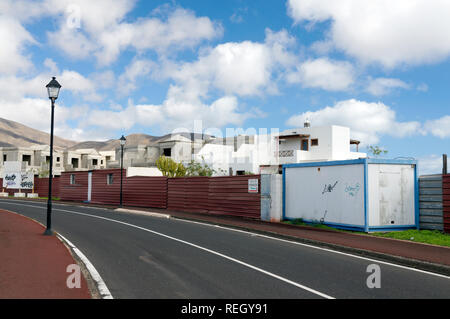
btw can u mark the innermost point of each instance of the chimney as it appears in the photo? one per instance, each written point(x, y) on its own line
point(307, 123)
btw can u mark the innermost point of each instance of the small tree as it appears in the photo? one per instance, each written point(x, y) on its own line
point(170, 168)
point(198, 169)
point(376, 151)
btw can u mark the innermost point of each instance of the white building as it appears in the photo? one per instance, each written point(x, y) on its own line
point(266, 153)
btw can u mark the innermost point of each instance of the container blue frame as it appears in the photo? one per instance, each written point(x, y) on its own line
point(365, 162)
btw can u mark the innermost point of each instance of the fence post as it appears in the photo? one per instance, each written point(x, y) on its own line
point(444, 164)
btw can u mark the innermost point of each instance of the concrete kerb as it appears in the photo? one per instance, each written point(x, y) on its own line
point(96, 285)
point(141, 212)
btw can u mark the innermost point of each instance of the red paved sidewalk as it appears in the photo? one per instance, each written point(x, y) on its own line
point(33, 265)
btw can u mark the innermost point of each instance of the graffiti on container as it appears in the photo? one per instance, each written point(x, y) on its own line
point(353, 190)
point(329, 188)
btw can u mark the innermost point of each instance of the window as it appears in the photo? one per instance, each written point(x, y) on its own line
point(304, 145)
point(240, 172)
point(58, 159)
point(72, 179)
point(109, 179)
point(168, 152)
point(108, 158)
point(315, 142)
point(95, 162)
point(26, 158)
point(47, 159)
point(101, 162)
point(4, 158)
point(74, 162)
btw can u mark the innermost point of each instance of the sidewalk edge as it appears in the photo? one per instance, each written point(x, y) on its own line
point(101, 289)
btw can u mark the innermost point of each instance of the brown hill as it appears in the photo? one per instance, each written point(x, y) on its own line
point(16, 134)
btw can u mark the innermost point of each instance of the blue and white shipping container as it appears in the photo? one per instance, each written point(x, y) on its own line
point(364, 194)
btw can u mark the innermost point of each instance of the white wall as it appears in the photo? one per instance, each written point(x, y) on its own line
point(333, 193)
point(143, 171)
point(391, 195)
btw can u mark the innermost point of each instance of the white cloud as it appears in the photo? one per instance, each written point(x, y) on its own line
point(136, 70)
point(14, 39)
point(439, 127)
point(367, 121)
point(431, 164)
point(105, 33)
point(383, 86)
point(243, 68)
point(324, 74)
point(384, 31)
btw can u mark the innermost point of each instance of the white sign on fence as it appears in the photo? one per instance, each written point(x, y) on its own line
point(18, 180)
point(253, 185)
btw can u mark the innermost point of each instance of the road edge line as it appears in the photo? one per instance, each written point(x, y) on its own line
point(100, 284)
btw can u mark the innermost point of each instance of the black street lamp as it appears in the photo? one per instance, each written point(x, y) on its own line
point(53, 91)
point(123, 140)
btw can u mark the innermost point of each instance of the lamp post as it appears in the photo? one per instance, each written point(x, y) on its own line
point(53, 91)
point(122, 140)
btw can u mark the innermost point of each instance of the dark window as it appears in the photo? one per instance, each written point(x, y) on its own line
point(304, 145)
point(315, 142)
point(75, 162)
point(108, 158)
point(101, 162)
point(95, 162)
point(47, 159)
point(26, 158)
point(58, 159)
point(110, 179)
point(168, 152)
point(72, 179)
point(240, 172)
point(4, 158)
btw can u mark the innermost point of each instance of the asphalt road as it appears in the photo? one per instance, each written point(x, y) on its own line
point(149, 257)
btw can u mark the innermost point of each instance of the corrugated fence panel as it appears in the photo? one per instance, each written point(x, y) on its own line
point(230, 196)
point(145, 192)
point(41, 186)
point(76, 192)
point(102, 192)
point(446, 201)
point(176, 194)
point(197, 194)
point(430, 200)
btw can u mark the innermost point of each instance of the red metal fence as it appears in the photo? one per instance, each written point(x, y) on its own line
point(75, 189)
point(446, 202)
point(229, 196)
point(145, 192)
point(40, 187)
point(216, 195)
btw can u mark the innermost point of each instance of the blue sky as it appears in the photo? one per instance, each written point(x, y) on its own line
point(380, 67)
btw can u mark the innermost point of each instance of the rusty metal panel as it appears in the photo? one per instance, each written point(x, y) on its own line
point(77, 192)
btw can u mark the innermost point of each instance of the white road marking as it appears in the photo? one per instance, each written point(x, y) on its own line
point(293, 283)
point(102, 288)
